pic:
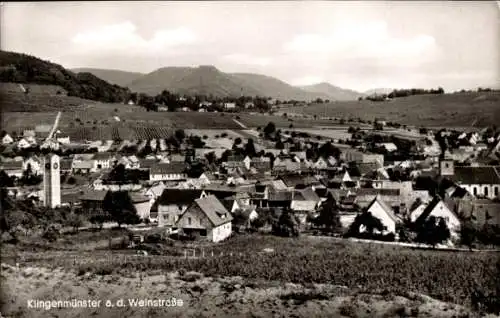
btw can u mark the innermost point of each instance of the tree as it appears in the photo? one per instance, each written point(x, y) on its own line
point(433, 231)
point(366, 220)
point(75, 220)
point(250, 148)
point(120, 207)
point(279, 145)
point(329, 216)
point(327, 150)
point(210, 157)
point(287, 225)
point(269, 129)
point(180, 135)
point(237, 141)
point(468, 233)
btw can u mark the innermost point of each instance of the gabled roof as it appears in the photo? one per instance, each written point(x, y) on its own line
point(429, 208)
point(384, 206)
point(93, 196)
point(11, 165)
point(168, 168)
point(147, 163)
point(214, 210)
point(280, 196)
point(83, 156)
point(375, 191)
point(103, 156)
point(476, 175)
point(306, 194)
point(179, 196)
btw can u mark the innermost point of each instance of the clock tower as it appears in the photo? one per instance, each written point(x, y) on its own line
point(51, 181)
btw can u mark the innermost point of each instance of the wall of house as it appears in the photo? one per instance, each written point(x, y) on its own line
point(167, 177)
point(143, 209)
point(442, 211)
point(168, 215)
point(220, 232)
point(490, 191)
point(298, 205)
point(377, 211)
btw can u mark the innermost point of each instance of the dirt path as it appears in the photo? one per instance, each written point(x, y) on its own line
point(200, 296)
point(54, 128)
point(240, 124)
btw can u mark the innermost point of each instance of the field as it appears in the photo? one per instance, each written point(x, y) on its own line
point(449, 110)
point(367, 268)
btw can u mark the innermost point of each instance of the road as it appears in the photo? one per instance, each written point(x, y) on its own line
point(240, 124)
point(54, 128)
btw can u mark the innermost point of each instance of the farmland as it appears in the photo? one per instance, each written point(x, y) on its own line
point(450, 277)
point(448, 110)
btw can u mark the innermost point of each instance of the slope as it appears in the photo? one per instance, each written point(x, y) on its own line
point(334, 92)
point(26, 69)
point(446, 110)
point(272, 87)
point(121, 78)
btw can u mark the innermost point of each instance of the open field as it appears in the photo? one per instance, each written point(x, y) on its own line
point(367, 268)
point(449, 110)
point(203, 296)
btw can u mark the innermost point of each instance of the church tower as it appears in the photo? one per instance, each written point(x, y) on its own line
point(52, 181)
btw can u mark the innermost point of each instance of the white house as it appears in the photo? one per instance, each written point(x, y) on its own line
point(305, 200)
point(206, 217)
point(103, 160)
point(384, 213)
point(229, 105)
point(438, 209)
point(35, 164)
point(7, 139)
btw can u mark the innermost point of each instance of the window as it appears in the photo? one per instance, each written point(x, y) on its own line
point(446, 165)
point(474, 191)
point(189, 220)
point(496, 191)
point(486, 191)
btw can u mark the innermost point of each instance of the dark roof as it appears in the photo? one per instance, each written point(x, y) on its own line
point(137, 197)
point(103, 156)
point(147, 163)
point(214, 210)
point(11, 165)
point(306, 194)
point(178, 196)
point(476, 175)
point(280, 196)
point(168, 168)
point(294, 180)
point(65, 164)
point(93, 196)
point(367, 167)
point(374, 191)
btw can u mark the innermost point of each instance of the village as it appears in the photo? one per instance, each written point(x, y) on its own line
point(429, 189)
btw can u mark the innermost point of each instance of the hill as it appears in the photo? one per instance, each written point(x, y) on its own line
point(273, 87)
point(117, 77)
point(26, 69)
point(208, 80)
point(446, 110)
point(333, 92)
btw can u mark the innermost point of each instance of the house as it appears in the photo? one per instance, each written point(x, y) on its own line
point(92, 203)
point(25, 142)
point(388, 146)
point(207, 178)
point(103, 160)
point(249, 105)
point(12, 168)
point(83, 163)
point(7, 139)
point(353, 155)
point(153, 193)
point(438, 209)
point(480, 211)
point(321, 163)
point(63, 140)
point(229, 105)
point(260, 163)
point(65, 165)
point(297, 182)
point(379, 209)
point(174, 171)
point(481, 181)
point(141, 203)
point(173, 202)
point(35, 165)
point(305, 200)
point(208, 218)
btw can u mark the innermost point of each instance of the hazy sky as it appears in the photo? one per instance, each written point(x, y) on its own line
point(358, 45)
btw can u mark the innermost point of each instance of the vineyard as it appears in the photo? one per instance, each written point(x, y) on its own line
point(448, 276)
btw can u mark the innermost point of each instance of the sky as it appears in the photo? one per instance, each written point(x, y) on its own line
point(356, 45)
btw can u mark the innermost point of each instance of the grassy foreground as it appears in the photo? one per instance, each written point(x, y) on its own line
point(470, 279)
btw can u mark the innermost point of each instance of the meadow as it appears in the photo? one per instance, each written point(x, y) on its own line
point(448, 110)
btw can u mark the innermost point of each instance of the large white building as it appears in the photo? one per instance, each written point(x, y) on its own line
point(481, 181)
point(51, 181)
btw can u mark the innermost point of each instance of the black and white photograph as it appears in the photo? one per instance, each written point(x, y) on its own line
point(250, 159)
